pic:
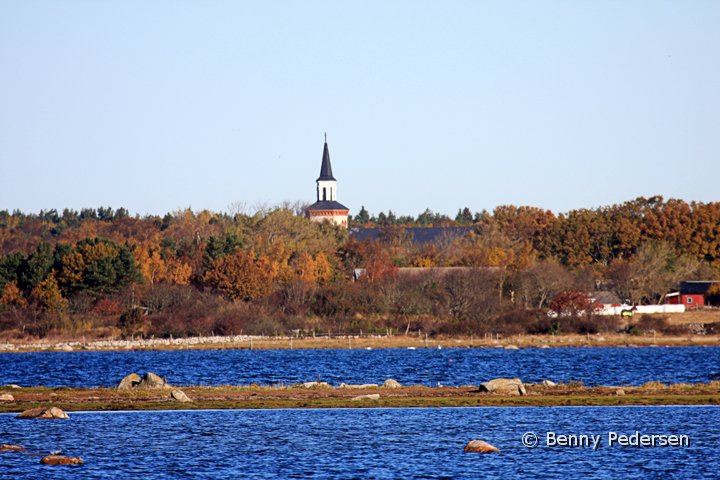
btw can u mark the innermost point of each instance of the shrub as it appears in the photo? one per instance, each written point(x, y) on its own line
point(515, 322)
point(655, 323)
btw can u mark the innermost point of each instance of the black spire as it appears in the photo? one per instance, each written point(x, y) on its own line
point(326, 168)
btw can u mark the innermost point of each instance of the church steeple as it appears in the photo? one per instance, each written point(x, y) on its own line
point(327, 208)
point(326, 183)
point(326, 168)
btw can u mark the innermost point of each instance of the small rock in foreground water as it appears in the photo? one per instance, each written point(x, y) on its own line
point(9, 447)
point(61, 460)
point(480, 446)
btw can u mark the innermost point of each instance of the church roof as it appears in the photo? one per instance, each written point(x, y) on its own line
point(327, 205)
point(326, 168)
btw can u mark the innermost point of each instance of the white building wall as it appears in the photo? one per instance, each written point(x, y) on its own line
point(609, 310)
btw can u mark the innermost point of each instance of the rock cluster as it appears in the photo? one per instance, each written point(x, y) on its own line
point(43, 413)
point(6, 397)
point(504, 386)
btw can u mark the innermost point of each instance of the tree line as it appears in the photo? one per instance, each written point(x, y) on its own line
point(103, 272)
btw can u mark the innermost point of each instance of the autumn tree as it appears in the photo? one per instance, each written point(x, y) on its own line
point(12, 296)
point(571, 302)
point(241, 276)
point(152, 265)
point(47, 293)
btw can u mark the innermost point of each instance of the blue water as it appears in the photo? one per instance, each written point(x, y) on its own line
point(362, 443)
point(453, 367)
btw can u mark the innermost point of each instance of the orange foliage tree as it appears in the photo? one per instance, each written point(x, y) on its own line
point(241, 276)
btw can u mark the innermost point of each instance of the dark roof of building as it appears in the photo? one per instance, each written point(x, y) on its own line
point(326, 168)
point(416, 234)
point(696, 287)
point(605, 297)
point(327, 205)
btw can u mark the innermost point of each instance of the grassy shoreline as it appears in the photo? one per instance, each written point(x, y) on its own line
point(256, 397)
point(398, 340)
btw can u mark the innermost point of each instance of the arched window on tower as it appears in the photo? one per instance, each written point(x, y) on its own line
point(324, 194)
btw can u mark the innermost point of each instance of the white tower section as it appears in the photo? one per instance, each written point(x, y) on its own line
point(326, 190)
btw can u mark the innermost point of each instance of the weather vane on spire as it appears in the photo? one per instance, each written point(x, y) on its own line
point(325, 137)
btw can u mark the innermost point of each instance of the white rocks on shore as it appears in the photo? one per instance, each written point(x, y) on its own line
point(134, 344)
point(315, 385)
point(373, 396)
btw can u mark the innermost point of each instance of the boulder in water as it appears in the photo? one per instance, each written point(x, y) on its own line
point(504, 386)
point(42, 413)
point(61, 460)
point(9, 447)
point(480, 446)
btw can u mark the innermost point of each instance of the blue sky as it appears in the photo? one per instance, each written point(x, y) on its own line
point(156, 106)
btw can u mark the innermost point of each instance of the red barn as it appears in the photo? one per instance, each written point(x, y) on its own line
point(693, 294)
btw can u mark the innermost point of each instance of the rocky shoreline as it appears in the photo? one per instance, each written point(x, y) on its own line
point(256, 342)
point(152, 392)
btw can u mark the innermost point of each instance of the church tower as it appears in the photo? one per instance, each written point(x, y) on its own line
point(327, 208)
